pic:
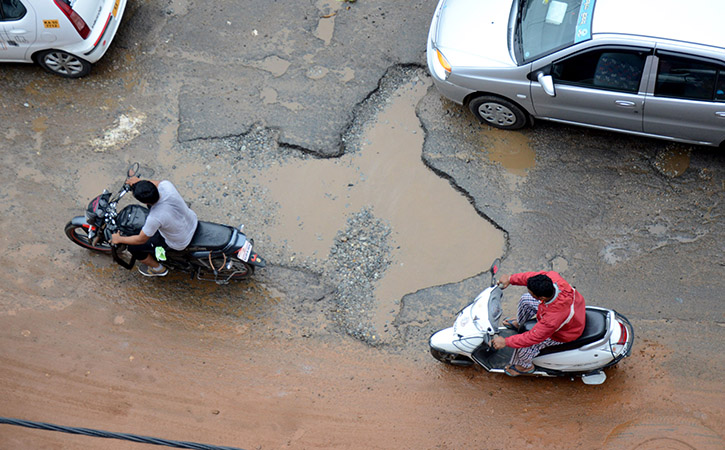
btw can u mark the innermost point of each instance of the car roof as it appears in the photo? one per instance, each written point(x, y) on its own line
point(693, 21)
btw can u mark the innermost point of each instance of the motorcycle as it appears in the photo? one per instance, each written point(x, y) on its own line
point(217, 252)
point(607, 339)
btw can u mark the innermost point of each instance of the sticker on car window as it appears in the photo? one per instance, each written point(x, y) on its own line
point(584, 24)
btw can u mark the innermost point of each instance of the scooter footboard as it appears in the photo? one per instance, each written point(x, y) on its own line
point(492, 359)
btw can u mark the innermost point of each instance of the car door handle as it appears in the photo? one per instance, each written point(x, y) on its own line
point(18, 31)
point(720, 114)
point(625, 103)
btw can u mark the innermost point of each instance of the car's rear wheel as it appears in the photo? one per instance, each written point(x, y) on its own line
point(498, 112)
point(63, 63)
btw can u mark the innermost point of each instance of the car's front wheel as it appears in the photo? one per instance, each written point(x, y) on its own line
point(63, 63)
point(498, 112)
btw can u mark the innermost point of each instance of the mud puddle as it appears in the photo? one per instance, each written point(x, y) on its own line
point(673, 161)
point(438, 236)
point(511, 149)
point(326, 25)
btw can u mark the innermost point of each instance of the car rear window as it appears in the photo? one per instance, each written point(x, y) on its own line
point(720, 87)
point(11, 10)
point(691, 79)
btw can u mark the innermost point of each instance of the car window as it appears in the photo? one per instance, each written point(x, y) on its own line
point(11, 10)
point(611, 69)
point(720, 86)
point(686, 78)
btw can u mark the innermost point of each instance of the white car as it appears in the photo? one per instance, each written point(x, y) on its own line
point(63, 36)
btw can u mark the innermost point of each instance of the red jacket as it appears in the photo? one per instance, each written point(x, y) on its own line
point(550, 316)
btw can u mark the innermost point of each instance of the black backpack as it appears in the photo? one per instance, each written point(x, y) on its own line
point(131, 219)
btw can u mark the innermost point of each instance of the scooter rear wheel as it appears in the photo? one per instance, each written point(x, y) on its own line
point(451, 358)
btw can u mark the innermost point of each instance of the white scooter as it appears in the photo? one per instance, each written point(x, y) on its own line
point(607, 339)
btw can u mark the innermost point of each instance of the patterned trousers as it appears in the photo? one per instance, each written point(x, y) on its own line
point(528, 306)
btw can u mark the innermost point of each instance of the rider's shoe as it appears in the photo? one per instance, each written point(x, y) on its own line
point(147, 271)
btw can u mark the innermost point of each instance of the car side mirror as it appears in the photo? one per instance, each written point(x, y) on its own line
point(547, 83)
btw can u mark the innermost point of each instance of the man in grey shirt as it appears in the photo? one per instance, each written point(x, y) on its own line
point(170, 224)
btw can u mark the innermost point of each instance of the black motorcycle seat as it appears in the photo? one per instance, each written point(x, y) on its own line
point(210, 236)
point(595, 328)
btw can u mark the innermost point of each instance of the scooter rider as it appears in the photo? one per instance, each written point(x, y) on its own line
point(559, 310)
point(169, 224)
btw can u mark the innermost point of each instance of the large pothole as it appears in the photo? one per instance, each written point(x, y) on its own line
point(436, 236)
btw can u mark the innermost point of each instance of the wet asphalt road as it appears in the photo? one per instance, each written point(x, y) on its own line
point(605, 210)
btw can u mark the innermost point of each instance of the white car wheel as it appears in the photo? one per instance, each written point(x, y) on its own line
point(63, 64)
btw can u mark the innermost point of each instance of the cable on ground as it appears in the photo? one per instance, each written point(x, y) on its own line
point(112, 435)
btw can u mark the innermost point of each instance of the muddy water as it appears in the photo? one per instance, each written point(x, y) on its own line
point(438, 236)
point(326, 25)
point(511, 149)
point(673, 161)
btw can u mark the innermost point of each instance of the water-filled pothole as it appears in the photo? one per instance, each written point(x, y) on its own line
point(437, 235)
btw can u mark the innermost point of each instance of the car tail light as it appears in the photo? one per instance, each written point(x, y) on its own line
point(78, 23)
point(623, 335)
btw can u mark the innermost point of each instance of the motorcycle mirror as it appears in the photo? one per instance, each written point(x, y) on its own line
point(135, 170)
point(132, 170)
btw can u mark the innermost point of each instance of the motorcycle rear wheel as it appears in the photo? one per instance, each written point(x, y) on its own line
point(451, 358)
point(241, 275)
point(79, 236)
point(225, 276)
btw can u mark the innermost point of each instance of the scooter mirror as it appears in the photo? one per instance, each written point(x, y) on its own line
point(494, 267)
point(494, 270)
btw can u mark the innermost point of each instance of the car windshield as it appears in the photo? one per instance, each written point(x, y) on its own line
point(545, 26)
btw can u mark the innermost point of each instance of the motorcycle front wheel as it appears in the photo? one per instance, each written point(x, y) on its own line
point(79, 236)
point(451, 358)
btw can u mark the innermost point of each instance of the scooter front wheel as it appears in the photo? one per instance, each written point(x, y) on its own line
point(451, 358)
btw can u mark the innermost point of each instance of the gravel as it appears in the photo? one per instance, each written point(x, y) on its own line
point(358, 257)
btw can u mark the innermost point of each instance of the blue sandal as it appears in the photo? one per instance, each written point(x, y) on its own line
point(516, 372)
point(508, 322)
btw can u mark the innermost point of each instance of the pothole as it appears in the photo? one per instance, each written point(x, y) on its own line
point(436, 235)
point(673, 161)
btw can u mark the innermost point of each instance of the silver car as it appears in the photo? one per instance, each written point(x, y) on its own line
point(648, 67)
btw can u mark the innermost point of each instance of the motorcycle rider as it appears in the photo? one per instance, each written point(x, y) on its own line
point(169, 224)
point(559, 310)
